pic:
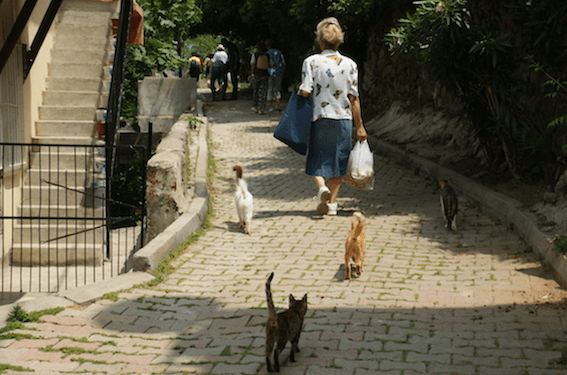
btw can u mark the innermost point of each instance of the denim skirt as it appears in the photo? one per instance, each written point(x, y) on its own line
point(329, 147)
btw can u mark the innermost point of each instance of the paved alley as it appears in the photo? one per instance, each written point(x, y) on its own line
point(429, 301)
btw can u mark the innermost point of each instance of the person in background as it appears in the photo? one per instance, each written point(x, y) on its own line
point(195, 66)
point(208, 63)
point(332, 81)
point(260, 62)
point(233, 65)
point(218, 72)
point(275, 75)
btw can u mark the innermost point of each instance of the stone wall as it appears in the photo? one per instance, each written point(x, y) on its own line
point(168, 193)
point(403, 105)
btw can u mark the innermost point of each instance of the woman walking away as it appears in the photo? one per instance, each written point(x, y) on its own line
point(332, 80)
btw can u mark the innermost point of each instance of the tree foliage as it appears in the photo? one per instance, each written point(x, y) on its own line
point(472, 48)
point(167, 23)
point(291, 24)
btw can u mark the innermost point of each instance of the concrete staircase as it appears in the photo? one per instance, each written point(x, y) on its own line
point(77, 84)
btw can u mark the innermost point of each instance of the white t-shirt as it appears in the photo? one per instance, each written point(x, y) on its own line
point(330, 77)
point(220, 56)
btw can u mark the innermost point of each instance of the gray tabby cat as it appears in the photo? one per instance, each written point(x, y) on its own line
point(283, 327)
point(449, 204)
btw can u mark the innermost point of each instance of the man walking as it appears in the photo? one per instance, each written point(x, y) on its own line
point(276, 73)
point(233, 65)
point(218, 73)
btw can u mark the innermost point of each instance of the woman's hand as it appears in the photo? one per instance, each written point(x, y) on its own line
point(361, 134)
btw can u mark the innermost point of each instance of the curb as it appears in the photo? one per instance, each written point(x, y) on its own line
point(490, 202)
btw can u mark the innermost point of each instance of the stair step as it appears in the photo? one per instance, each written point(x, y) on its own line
point(70, 211)
point(85, 113)
point(71, 98)
point(62, 232)
point(75, 141)
point(68, 70)
point(90, 6)
point(59, 176)
point(63, 128)
point(85, 17)
point(64, 54)
point(89, 42)
point(79, 31)
point(66, 157)
point(47, 194)
point(73, 83)
point(57, 254)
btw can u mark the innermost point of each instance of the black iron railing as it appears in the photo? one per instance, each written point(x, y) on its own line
point(57, 232)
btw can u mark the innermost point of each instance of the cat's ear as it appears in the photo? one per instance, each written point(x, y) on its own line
point(291, 299)
point(304, 299)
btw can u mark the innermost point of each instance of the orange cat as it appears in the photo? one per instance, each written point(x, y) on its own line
point(355, 245)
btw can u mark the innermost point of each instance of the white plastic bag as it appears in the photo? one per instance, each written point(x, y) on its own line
point(360, 168)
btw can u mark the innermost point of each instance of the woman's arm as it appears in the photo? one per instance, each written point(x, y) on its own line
point(357, 117)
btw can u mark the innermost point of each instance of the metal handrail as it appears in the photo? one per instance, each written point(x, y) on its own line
point(115, 95)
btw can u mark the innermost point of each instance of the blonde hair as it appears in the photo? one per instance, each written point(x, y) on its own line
point(329, 33)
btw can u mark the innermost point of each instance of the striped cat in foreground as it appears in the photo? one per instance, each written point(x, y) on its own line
point(283, 327)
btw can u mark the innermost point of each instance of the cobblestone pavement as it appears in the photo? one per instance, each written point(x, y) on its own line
point(429, 301)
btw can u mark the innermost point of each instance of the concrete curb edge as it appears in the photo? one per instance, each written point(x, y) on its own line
point(490, 202)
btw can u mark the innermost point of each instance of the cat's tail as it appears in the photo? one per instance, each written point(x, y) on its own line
point(359, 216)
point(242, 185)
point(238, 170)
point(270, 301)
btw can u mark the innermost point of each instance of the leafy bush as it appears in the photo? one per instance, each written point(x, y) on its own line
point(473, 52)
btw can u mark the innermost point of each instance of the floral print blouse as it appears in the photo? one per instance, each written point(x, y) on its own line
point(330, 77)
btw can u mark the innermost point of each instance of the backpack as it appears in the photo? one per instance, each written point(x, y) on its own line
point(262, 62)
point(193, 68)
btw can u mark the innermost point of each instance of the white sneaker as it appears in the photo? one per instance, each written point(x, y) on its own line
point(323, 196)
point(332, 209)
point(254, 109)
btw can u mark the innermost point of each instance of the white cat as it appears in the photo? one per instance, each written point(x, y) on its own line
point(244, 201)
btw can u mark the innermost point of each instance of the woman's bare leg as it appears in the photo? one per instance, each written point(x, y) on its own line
point(334, 186)
point(319, 181)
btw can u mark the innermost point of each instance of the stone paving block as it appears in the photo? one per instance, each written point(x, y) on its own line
point(367, 354)
point(347, 344)
point(141, 360)
point(38, 355)
point(204, 368)
point(30, 343)
point(63, 320)
point(451, 369)
point(66, 343)
point(387, 365)
point(437, 358)
point(100, 368)
point(316, 370)
point(499, 353)
point(542, 358)
point(359, 371)
point(125, 327)
point(54, 367)
point(393, 345)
